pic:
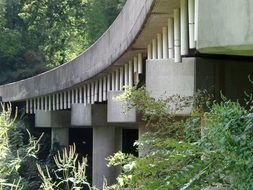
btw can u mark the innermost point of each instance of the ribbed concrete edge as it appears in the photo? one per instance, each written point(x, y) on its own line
point(102, 54)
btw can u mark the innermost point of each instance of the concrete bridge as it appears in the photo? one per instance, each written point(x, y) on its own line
point(179, 45)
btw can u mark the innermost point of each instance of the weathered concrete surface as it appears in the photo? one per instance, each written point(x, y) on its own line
point(225, 27)
point(106, 141)
point(109, 48)
point(166, 78)
point(81, 115)
point(89, 115)
point(118, 111)
point(52, 119)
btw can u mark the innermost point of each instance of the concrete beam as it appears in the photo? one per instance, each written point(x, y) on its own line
point(52, 119)
point(165, 78)
point(89, 115)
point(118, 111)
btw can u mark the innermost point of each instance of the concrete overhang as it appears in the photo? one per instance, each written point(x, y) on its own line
point(225, 27)
point(133, 29)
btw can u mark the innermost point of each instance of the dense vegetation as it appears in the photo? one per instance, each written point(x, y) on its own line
point(25, 165)
point(38, 35)
point(212, 148)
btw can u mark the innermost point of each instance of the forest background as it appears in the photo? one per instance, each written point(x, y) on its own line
point(37, 35)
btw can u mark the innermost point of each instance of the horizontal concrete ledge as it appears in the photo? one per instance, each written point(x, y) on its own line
point(109, 48)
point(228, 29)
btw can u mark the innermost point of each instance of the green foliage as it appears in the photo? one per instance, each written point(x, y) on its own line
point(38, 35)
point(99, 15)
point(70, 173)
point(59, 27)
point(208, 149)
point(13, 155)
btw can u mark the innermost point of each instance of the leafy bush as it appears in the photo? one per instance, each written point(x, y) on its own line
point(211, 148)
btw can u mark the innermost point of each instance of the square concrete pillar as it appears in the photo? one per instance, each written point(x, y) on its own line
point(166, 78)
point(106, 141)
point(89, 115)
point(118, 111)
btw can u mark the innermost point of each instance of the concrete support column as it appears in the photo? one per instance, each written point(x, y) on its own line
point(57, 102)
point(69, 99)
point(61, 136)
point(61, 101)
point(72, 98)
point(121, 78)
point(108, 83)
point(46, 103)
point(154, 49)
point(165, 43)
point(196, 16)
point(88, 94)
point(191, 12)
point(149, 51)
point(76, 95)
point(80, 95)
point(84, 95)
point(113, 81)
point(104, 88)
point(117, 80)
point(126, 81)
point(38, 103)
point(184, 27)
point(142, 130)
point(104, 145)
point(130, 73)
point(135, 70)
point(31, 106)
point(171, 37)
point(42, 103)
point(27, 106)
point(177, 53)
point(35, 104)
point(159, 46)
point(96, 91)
point(65, 100)
point(92, 92)
point(140, 68)
point(100, 90)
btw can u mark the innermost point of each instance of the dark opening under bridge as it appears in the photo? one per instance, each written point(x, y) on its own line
point(179, 45)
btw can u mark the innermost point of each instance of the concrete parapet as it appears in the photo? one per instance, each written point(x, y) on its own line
point(118, 111)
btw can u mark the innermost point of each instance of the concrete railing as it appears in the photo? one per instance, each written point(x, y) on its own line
point(99, 57)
